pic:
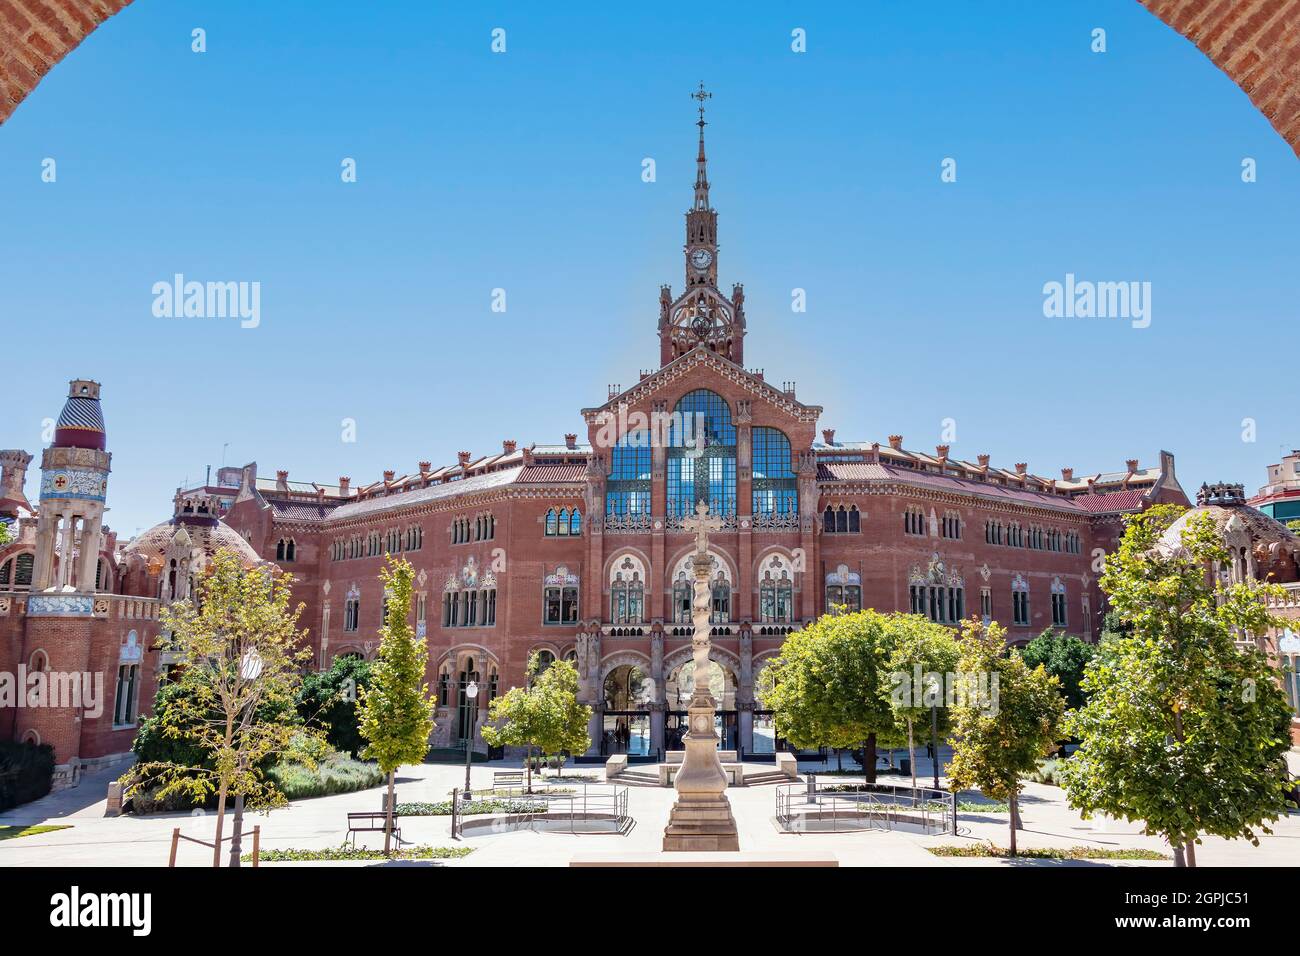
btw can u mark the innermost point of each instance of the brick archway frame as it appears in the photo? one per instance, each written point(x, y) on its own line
point(1255, 42)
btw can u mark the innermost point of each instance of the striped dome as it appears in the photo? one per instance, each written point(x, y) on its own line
point(81, 423)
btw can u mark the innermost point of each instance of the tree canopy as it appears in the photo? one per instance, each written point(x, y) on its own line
point(1064, 656)
point(1006, 717)
point(1184, 730)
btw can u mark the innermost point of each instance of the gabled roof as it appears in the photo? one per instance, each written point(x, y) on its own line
point(700, 355)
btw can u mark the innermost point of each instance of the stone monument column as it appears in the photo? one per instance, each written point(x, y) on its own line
point(701, 818)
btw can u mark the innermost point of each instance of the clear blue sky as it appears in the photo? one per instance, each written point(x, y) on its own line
point(522, 171)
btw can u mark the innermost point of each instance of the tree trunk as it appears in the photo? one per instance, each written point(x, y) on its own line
point(869, 758)
point(388, 814)
point(1015, 817)
point(1179, 859)
point(1191, 851)
point(911, 754)
point(528, 766)
point(221, 816)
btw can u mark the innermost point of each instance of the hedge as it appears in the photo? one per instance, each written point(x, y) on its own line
point(26, 772)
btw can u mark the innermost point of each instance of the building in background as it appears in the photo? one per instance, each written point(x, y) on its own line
point(1280, 498)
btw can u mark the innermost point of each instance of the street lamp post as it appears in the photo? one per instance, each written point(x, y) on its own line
point(471, 696)
point(250, 669)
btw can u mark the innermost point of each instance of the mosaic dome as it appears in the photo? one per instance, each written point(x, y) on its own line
point(208, 537)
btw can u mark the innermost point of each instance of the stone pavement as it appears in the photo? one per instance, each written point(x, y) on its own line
point(95, 840)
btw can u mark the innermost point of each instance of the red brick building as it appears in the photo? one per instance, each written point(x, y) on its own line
point(576, 550)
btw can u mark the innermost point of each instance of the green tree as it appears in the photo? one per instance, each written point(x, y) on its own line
point(1005, 717)
point(4, 533)
point(923, 652)
point(328, 700)
point(1064, 656)
point(544, 714)
point(1182, 730)
point(396, 708)
point(238, 649)
point(828, 687)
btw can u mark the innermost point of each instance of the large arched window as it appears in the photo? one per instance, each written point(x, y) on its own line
point(701, 455)
point(627, 488)
point(776, 489)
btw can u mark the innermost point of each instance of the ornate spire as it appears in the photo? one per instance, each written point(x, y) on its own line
point(701, 171)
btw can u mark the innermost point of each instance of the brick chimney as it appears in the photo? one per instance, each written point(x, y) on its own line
point(571, 440)
point(1022, 468)
point(462, 458)
point(828, 436)
point(389, 475)
point(528, 456)
point(1132, 465)
point(875, 452)
point(426, 467)
point(983, 461)
point(896, 442)
point(344, 484)
point(282, 481)
point(942, 451)
point(508, 447)
point(1067, 474)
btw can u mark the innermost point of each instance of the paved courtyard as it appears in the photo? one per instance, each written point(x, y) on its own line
point(96, 840)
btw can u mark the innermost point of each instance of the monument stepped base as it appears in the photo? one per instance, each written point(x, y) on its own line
point(746, 858)
point(703, 825)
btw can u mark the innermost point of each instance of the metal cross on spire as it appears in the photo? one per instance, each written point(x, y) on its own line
point(701, 94)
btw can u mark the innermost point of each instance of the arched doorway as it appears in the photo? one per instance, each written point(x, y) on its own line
point(678, 688)
point(628, 692)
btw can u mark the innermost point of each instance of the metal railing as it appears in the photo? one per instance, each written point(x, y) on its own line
point(577, 808)
point(812, 807)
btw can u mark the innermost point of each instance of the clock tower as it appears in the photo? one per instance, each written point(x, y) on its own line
point(702, 315)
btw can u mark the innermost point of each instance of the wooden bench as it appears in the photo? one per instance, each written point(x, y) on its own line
point(507, 777)
point(370, 823)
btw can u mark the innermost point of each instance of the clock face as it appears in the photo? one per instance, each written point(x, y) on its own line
point(701, 258)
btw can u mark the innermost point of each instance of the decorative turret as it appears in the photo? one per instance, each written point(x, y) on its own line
point(74, 482)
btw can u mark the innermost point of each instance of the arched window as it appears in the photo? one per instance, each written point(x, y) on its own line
point(843, 591)
point(551, 523)
point(828, 520)
point(721, 593)
point(627, 598)
point(776, 597)
point(776, 488)
point(627, 487)
point(575, 522)
point(544, 660)
point(682, 593)
point(1020, 601)
point(562, 523)
point(701, 455)
point(23, 565)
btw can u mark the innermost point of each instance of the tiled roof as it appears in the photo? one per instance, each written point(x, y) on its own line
point(300, 509)
point(1129, 500)
point(493, 479)
point(868, 471)
point(553, 473)
point(850, 471)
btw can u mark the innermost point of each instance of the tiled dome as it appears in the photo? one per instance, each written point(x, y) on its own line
point(208, 538)
point(81, 423)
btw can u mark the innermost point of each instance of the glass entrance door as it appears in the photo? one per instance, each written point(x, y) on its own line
point(626, 732)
